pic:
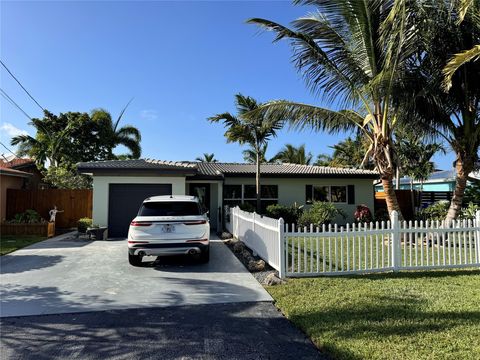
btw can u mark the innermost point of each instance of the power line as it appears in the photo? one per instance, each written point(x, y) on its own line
point(19, 83)
point(10, 151)
point(5, 95)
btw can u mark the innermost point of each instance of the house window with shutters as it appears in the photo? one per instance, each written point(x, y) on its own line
point(338, 194)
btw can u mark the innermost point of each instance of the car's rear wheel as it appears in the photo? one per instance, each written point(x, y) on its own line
point(205, 256)
point(135, 260)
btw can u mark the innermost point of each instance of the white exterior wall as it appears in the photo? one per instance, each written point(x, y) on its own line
point(292, 190)
point(101, 191)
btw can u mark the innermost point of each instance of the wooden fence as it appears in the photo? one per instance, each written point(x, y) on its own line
point(76, 204)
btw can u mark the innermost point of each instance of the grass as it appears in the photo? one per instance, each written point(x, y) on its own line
point(410, 315)
point(9, 243)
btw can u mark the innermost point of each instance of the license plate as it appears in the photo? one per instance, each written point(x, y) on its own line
point(168, 228)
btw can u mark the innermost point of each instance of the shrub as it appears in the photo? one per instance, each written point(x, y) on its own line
point(363, 214)
point(381, 215)
point(28, 217)
point(290, 214)
point(436, 211)
point(470, 211)
point(83, 224)
point(247, 207)
point(320, 213)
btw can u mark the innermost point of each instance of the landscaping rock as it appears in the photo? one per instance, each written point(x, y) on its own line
point(256, 265)
point(226, 236)
point(247, 255)
point(272, 280)
point(238, 247)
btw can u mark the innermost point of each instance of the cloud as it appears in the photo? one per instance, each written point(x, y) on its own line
point(149, 114)
point(11, 130)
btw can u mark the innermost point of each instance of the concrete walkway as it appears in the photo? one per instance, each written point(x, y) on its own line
point(65, 275)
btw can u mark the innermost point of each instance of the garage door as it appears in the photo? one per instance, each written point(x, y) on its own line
point(124, 202)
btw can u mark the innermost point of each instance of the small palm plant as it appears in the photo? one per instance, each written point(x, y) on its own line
point(255, 131)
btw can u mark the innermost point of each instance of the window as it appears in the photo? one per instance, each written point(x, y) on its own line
point(333, 193)
point(338, 194)
point(239, 194)
point(169, 208)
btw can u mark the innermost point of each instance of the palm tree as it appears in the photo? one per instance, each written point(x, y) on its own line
point(250, 155)
point(453, 115)
point(323, 160)
point(350, 153)
point(414, 155)
point(128, 135)
point(353, 52)
point(469, 8)
point(254, 131)
point(294, 155)
point(206, 158)
point(49, 143)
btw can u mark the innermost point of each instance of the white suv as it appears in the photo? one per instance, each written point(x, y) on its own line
point(169, 225)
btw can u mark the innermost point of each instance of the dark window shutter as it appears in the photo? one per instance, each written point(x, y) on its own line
point(351, 194)
point(308, 194)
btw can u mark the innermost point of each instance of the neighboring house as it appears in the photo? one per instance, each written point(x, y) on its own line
point(439, 181)
point(120, 186)
point(10, 179)
point(26, 165)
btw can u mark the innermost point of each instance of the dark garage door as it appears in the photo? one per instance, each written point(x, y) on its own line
point(124, 202)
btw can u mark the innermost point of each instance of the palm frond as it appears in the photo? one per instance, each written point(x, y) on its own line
point(121, 115)
point(457, 61)
point(130, 131)
point(130, 144)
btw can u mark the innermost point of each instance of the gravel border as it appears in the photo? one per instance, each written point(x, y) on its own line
point(260, 276)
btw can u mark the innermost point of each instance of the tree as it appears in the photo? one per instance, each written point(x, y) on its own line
point(250, 155)
point(414, 155)
point(294, 155)
point(352, 52)
point(67, 138)
point(113, 136)
point(254, 131)
point(453, 115)
point(63, 177)
point(323, 160)
point(206, 158)
point(350, 153)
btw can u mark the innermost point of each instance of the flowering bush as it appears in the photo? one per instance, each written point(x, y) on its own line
point(363, 214)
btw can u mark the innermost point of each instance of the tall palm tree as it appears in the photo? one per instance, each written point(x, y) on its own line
point(294, 155)
point(351, 153)
point(351, 52)
point(453, 116)
point(250, 155)
point(206, 158)
point(128, 135)
point(254, 131)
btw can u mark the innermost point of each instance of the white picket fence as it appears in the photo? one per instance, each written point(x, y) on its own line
point(259, 233)
point(359, 248)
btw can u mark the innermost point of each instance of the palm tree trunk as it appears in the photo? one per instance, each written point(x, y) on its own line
point(463, 167)
point(390, 196)
point(257, 183)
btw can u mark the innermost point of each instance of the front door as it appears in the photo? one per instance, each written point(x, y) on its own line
point(202, 191)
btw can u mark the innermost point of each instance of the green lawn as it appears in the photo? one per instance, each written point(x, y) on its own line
point(9, 243)
point(419, 315)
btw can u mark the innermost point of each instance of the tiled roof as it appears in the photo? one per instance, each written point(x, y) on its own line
point(15, 162)
point(205, 168)
point(136, 164)
point(218, 169)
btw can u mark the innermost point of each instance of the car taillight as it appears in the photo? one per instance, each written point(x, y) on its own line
point(199, 222)
point(140, 223)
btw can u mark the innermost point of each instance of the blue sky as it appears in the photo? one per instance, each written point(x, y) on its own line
point(181, 61)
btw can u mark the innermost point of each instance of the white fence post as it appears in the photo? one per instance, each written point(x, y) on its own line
point(396, 247)
point(281, 249)
point(477, 242)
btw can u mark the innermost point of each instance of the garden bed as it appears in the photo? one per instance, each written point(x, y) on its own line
point(46, 229)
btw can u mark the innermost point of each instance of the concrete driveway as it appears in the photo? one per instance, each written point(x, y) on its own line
point(65, 275)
